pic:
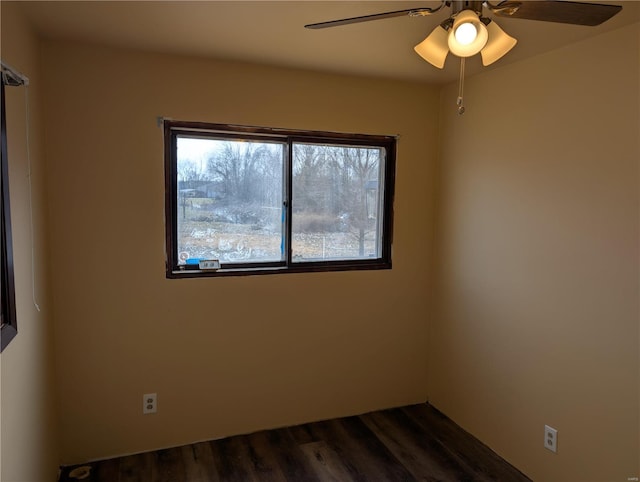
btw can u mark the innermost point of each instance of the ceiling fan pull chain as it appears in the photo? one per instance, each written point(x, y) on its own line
point(460, 101)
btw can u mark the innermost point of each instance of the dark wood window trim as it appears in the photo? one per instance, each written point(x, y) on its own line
point(7, 287)
point(173, 129)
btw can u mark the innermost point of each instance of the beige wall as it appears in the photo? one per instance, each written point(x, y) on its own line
point(536, 313)
point(226, 355)
point(537, 277)
point(28, 435)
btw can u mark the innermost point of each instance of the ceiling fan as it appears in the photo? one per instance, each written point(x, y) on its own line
point(467, 32)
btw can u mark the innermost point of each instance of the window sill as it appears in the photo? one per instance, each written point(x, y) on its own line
point(312, 267)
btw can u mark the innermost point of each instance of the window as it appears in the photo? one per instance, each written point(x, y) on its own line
point(8, 328)
point(261, 200)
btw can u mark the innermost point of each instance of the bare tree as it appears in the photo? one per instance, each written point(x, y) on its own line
point(358, 167)
point(312, 186)
point(189, 171)
point(189, 178)
point(250, 176)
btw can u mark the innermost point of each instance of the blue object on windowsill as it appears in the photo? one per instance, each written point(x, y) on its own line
point(195, 261)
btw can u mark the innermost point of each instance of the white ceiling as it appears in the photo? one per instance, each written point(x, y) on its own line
point(272, 32)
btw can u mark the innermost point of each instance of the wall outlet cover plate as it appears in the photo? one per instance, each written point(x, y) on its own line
point(551, 438)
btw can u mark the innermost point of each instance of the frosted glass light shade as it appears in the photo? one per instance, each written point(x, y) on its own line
point(471, 48)
point(498, 45)
point(434, 49)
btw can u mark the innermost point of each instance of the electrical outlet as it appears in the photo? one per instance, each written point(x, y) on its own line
point(149, 403)
point(550, 438)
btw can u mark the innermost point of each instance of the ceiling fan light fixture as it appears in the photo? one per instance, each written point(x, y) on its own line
point(434, 49)
point(468, 36)
point(498, 45)
point(466, 33)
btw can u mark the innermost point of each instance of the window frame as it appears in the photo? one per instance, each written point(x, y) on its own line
point(9, 324)
point(174, 129)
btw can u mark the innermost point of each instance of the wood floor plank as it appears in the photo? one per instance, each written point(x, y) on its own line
point(230, 460)
point(424, 457)
point(486, 464)
point(136, 468)
point(402, 444)
point(326, 463)
point(361, 451)
point(168, 466)
point(290, 457)
point(106, 471)
point(303, 434)
point(198, 463)
point(261, 455)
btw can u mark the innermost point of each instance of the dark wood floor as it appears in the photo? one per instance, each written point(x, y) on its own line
point(402, 444)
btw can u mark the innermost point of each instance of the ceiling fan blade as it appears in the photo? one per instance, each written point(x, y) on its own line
point(576, 13)
point(413, 12)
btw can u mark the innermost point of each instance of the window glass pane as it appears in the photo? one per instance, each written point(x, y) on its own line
point(229, 200)
point(337, 202)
